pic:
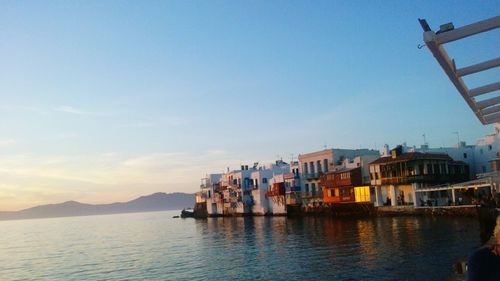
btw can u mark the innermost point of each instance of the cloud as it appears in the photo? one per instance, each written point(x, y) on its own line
point(69, 109)
point(140, 125)
point(8, 142)
point(63, 136)
point(29, 179)
point(11, 108)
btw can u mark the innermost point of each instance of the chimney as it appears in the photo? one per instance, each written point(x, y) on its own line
point(385, 151)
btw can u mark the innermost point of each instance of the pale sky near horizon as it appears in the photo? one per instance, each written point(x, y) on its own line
point(104, 101)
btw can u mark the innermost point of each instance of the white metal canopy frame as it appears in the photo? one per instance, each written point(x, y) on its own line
point(486, 110)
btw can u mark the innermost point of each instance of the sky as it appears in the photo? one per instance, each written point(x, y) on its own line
point(104, 101)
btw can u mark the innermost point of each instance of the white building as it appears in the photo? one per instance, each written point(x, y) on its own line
point(487, 152)
point(210, 186)
point(241, 192)
point(265, 178)
point(481, 157)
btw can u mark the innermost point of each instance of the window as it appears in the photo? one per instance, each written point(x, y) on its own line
point(311, 166)
point(307, 187)
point(489, 147)
point(306, 171)
point(484, 169)
point(264, 180)
point(465, 155)
point(325, 163)
point(318, 164)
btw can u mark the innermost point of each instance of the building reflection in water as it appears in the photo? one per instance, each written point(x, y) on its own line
point(328, 248)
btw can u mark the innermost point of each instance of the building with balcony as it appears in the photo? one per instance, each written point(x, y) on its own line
point(244, 191)
point(210, 189)
point(349, 181)
point(313, 165)
point(338, 185)
point(276, 194)
point(398, 176)
point(293, 194)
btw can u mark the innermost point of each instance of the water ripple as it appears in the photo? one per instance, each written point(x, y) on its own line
point(153, 246)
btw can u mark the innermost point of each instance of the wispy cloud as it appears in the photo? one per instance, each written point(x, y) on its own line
point(174, 121)
point(69, 109)
point(140, 125)
point(36, 179)
point(8, 142)
point(34, 109)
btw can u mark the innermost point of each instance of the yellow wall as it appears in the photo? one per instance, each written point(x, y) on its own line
point(362, 193)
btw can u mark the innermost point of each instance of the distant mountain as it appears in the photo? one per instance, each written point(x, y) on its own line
point(155, 202)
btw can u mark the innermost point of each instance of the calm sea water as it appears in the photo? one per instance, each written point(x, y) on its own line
point(155, 246)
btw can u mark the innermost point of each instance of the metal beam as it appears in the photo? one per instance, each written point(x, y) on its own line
point(478, 67)
point(448, 67)
point(491, 110)
point(484, 89)
point(488, 110)
point(492, 118)
point(468, 30)
point(489, 102)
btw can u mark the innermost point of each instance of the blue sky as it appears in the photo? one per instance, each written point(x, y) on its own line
point(107, 100)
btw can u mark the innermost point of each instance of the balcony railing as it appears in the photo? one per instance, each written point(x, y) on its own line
point(310, 176)
point(423, 178)
point(293, 189)
point(315, 194)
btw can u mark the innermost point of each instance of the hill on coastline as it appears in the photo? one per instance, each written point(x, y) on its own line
point(155, 202)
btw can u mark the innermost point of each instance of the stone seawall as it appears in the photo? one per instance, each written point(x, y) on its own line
point(200, 210)
point(338, 210)
point(357, 210)
point(463, 211)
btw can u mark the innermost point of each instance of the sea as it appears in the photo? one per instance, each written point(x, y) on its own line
point(156, 246)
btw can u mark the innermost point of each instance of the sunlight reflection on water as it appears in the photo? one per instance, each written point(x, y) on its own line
point(156, 246)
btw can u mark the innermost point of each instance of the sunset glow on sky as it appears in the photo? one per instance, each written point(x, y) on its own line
point(106, 101)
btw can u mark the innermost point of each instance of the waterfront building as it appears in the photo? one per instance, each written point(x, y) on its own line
point(482, 157)
point(349, 182)
point(276, 194)
point(338, 186)
point(211, 190)
point(293, 195)
point(243, 191)
point(237, 196)
point(487, 151)
point(313, 165)
point(398, 176)
point(267, 198)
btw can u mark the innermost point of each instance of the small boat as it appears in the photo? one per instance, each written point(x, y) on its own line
point(175, 217)
point(187, 214)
